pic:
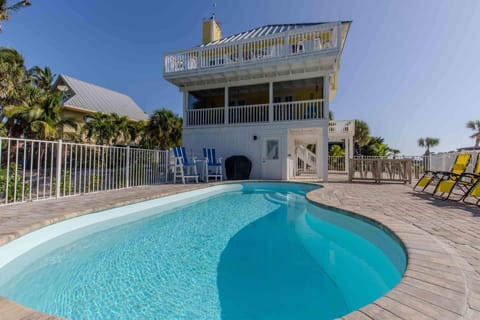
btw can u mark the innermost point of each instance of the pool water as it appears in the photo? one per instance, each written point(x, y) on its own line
point(262, 252)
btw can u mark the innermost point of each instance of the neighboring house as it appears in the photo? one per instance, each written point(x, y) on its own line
point(81, 98)
point(263, 93)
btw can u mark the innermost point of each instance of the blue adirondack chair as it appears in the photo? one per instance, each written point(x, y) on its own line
point(184, 168)
point(213, 165)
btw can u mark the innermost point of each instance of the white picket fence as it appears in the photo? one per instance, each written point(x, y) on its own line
point(36, 169)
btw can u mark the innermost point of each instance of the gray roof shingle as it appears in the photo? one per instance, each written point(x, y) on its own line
point(98, 99)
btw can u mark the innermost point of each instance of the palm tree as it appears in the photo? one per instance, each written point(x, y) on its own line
point(5, 9)
point(43, 119)
point(362, 134)
point(475, 125)
point(394, 152)
point(428, 143)
point(15, 88)
point(164, 130)
point(14, 76)
point(99, 128)
point(122, 126)
point(43, 78)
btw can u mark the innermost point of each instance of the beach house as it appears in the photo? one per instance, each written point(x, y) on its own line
point(264, 93)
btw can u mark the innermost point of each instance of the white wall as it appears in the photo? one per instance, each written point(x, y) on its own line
point(230, 141)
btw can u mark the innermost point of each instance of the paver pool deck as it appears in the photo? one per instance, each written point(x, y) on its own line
point(442, 239)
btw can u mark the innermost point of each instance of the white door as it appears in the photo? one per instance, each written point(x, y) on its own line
point(271, 163)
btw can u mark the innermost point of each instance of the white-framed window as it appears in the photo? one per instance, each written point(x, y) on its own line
point(272, 149)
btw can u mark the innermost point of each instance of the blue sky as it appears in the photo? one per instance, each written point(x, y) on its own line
point(410, 68)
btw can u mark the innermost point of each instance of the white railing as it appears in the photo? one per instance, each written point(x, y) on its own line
point(341, 127)
point(337, 164)
point(298, 110)
point(35, 169)
point(248, 114)
point(285, 111)
point(289, 43)
point(205, 117)
point(380, 169)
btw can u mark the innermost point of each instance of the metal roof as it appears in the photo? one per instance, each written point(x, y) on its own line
point(94, 98)
point(264, 31)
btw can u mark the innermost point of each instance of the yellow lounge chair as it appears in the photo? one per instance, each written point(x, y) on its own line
point(451, 182)
point(429, 177)
point(474, 192)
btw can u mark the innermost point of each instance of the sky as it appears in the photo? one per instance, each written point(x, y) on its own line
point(410, 68)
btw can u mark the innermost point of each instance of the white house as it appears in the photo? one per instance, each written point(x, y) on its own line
point(265, 94)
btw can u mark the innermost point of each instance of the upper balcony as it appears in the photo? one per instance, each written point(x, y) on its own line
point(269, 46)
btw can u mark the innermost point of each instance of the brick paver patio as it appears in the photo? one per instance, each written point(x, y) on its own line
point(442, 280)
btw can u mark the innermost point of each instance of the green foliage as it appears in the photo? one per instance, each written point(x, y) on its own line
point(370, 146)
point(336, 151)
point(475, 126)
point(6, 7)
point(30, 104)
point(428, 143)
point(66, 186)
point(10, 182)
point(164, 130)
point(104, 129)
point(362, 133)
point(30, 107)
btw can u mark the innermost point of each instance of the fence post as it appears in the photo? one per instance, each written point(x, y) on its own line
point(127, 168)
point(167, 163)
point(59, 168)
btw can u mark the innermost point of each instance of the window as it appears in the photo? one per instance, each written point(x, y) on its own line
point(288, 99)
point(272, 149)
point(277, 99)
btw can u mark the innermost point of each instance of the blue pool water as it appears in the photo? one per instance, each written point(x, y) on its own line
point(262, 252)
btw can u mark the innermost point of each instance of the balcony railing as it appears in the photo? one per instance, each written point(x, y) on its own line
point(248, 114)
point(285, 111)
point(205, 117)
point(289, 43)
point(342, 127)
point(298, 110)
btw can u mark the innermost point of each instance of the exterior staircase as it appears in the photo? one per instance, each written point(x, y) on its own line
point(306, 161)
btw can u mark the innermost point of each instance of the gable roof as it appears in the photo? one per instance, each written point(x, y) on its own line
point(265, 30)
point(94, 98)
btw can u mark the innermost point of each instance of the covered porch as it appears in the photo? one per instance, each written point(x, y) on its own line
point(268, 102)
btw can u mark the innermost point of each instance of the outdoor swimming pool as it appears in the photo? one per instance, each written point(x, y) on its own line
point(238, 251)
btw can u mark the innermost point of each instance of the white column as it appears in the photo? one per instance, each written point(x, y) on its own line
point(347, 153)
point(323, 160)
point(225, 110)
point(319, 155)
point(326, 94)
point(185, 108)
point(270, 101)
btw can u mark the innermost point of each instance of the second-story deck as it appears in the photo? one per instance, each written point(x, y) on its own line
point(262, 113)
point(240, 50)
point(257, 113)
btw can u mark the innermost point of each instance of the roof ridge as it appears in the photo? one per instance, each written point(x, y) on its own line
point(95, 85)
point(96, 98)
